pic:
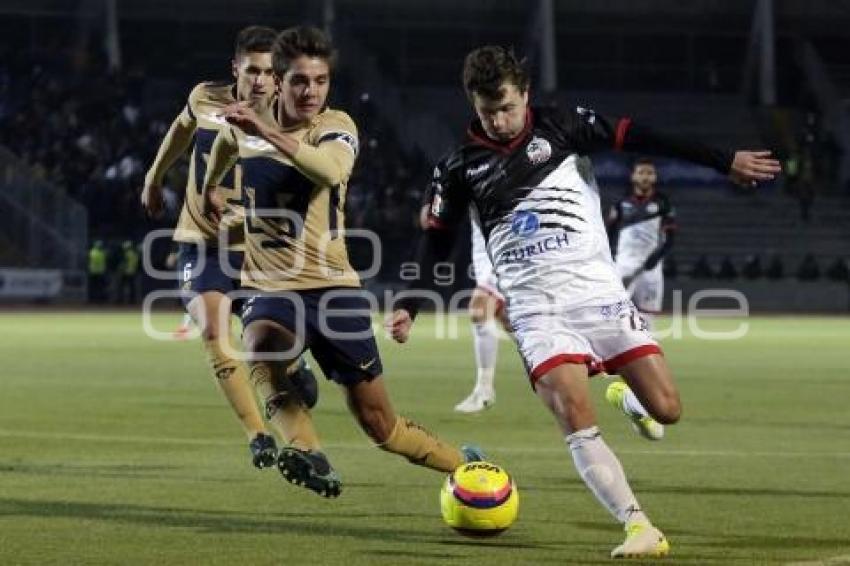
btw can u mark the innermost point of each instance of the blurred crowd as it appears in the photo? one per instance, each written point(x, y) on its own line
point(754, 267)
point(85, 132)
point(94, 134)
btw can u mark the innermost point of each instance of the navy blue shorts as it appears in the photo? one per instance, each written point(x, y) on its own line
point(209, 275)
point(336, 329)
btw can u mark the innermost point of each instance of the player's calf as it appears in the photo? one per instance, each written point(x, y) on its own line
point(423, 448)
point(283, 406)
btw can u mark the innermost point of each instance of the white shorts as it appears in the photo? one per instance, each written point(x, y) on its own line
point(604, 338)
point(647, 289)
point(485, 276)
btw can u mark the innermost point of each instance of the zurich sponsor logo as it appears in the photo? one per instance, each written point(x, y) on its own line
point(525, 223)
point(539, 247)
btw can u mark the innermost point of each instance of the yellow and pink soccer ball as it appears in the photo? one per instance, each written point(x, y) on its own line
point(479, 499)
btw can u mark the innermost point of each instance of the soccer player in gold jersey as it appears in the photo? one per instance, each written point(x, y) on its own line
point(202, 266)
point(305, 294)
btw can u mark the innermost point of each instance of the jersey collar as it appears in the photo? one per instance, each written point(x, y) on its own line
point(644, 199)
point(479, 137)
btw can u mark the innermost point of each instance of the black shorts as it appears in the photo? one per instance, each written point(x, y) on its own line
point(210, 274)
point(334, 324)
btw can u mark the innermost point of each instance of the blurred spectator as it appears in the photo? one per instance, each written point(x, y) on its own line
point(808, 270)
point(129, 270)
point(727, 270)
point(776, 269)
point(97, 273)
point(752, 267)
point(702, 269)
point(839, 271)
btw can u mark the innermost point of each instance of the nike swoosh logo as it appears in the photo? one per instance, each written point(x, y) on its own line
point(367, 365)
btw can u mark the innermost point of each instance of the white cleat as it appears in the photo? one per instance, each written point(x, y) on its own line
point(648, 428)
point(642, 541)
point(477, 401)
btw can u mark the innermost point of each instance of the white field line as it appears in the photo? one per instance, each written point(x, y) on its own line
point(118, 438)
point(833, 561)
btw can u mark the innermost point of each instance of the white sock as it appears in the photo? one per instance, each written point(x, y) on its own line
point(601, 471)
point(187, 320)
point(632, 406)
point(486, 341)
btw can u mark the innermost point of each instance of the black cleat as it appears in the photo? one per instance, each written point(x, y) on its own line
point(310, 469)
point(304, 381)
point(263, 451)
point(472, 453)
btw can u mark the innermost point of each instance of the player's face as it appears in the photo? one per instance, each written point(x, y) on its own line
point(502, 119)
point(254, 78)
point(644, 178)
point(304, 89)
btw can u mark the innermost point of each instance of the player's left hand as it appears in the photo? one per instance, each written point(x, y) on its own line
point(398, 325)
point(241, 115)
point(750, 167)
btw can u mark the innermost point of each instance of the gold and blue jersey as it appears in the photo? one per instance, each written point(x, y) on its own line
point(204, 110)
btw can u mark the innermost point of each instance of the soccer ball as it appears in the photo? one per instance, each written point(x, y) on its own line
point(479, 499)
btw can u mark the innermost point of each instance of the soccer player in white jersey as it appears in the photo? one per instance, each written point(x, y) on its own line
point(525, 172)
point(641, 228)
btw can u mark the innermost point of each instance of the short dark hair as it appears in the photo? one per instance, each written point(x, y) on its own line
point(642, 160)
point(296, 41)
point(485, 70)
point(254, 39)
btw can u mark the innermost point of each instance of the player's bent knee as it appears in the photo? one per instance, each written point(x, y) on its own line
point(670, 410)
point(210, 332)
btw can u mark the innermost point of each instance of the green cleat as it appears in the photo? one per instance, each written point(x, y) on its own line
point(310, 469)
point(646, 426)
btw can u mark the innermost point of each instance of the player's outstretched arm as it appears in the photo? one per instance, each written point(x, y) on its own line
point(594, 133)
point(435, 245)
point(175, 143)
point(223, 156)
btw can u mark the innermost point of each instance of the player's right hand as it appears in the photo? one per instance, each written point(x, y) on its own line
point(213, 204)
point(398, 325)
point(152, 200)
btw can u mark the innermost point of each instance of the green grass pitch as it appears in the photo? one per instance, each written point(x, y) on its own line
point(116, 449)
